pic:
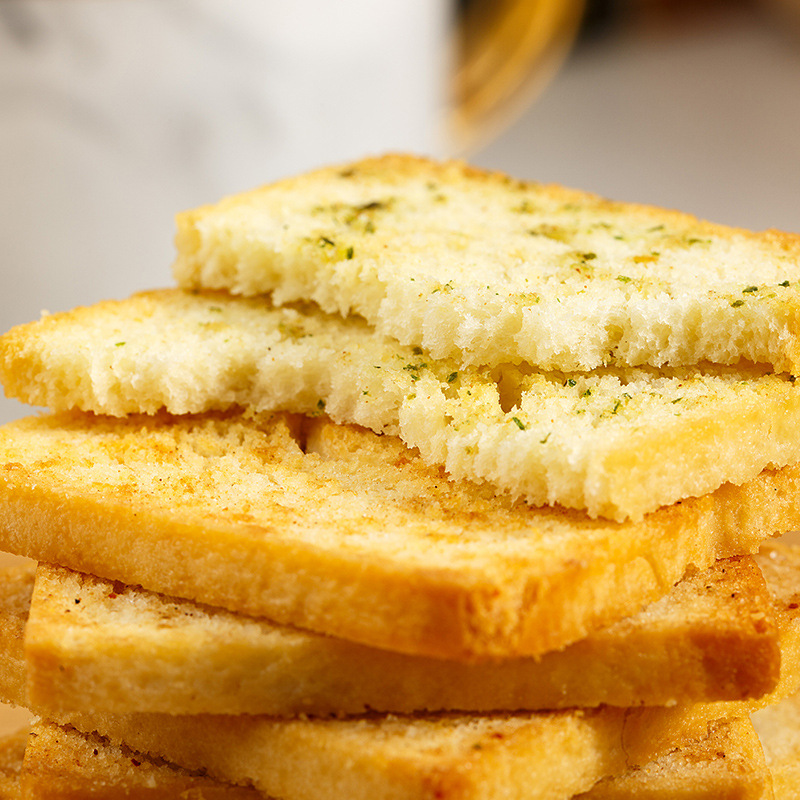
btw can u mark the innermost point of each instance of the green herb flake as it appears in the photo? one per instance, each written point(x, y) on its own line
point(119, 344)
point(544, 441)
point(349, 253)
point(750, 290)
point(571, 382)
point(589, 256)
point(519, 423)
point(784, 283)
point(321, 404)
point(676, 400)
point(525, 207)
point(737, 303)
point(215, 309)
point(624, 279)
point(587, 393)
point(324, 241)
point(452, 376)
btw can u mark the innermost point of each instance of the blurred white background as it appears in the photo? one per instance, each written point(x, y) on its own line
point(115, 114)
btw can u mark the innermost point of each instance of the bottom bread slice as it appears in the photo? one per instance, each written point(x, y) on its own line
point(97, 643)
point(63, 764)
point(541, 756)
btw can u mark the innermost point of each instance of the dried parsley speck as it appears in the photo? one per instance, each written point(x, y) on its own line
point(750, 289)
point(452, 376)
point(519, 423)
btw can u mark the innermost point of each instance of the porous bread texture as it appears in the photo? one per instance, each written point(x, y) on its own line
point(550, 755)
point(62, 761)
point(728, 764)
point(484, 269)
point(120, 649)
point(618, 443)
point(340, 531)
point(62, 764)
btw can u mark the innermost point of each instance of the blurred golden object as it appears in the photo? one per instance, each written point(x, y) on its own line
point(506, 52)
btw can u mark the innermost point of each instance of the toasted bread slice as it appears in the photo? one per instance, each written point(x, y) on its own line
point(555, 753)
point(618, 443)
point(96, 643)
point(544, 755)
point(337, 530)
point(63, 764)
point(487, 270)
point(728, 764)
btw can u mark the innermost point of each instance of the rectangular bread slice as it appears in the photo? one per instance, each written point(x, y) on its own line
point(63, 764)
point(337, 530)
point(545, 755)
point(616, 442)
point(98, 643)
point(485, 269)
point(540, 754)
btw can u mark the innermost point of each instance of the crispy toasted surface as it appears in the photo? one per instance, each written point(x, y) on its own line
point(728, 764)
point(486, 269)
point(337, 530)
point(117, 648)
point(62, 764)
point(617, 442)
point(560, 753)
point(65, 764)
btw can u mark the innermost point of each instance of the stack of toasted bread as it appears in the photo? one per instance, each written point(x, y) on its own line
point(423, 483)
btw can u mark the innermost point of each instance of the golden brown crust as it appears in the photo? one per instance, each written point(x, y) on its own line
point(62, 764)
point(119, 648)
point(218, 509)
